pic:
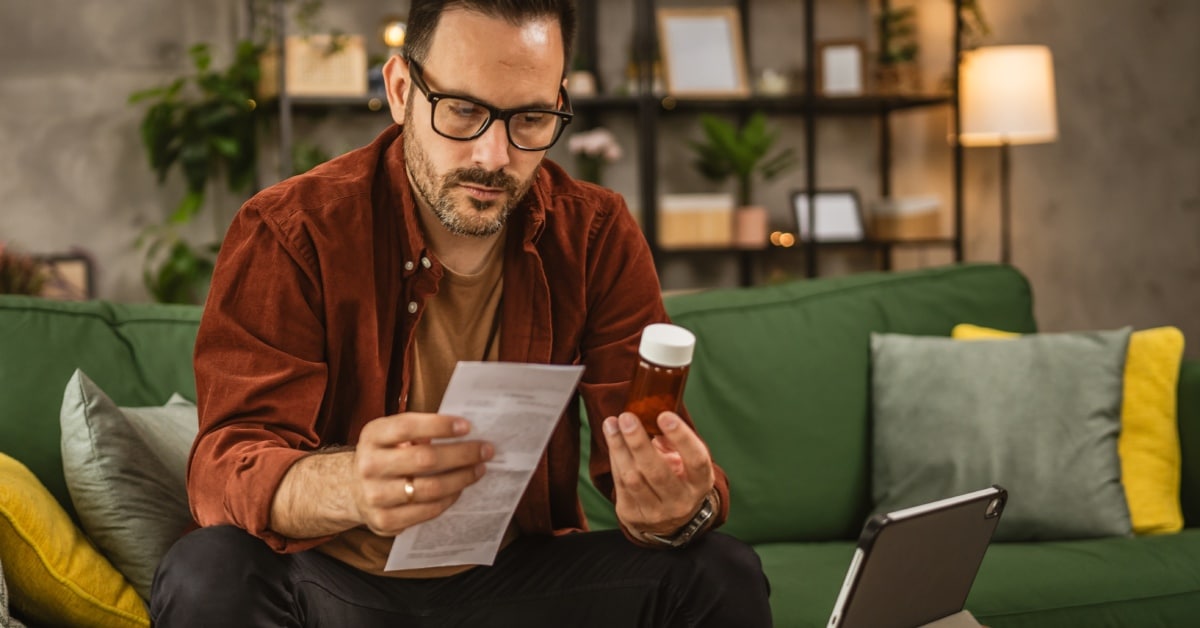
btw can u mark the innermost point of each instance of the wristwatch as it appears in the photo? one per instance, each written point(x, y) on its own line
point(698, 523)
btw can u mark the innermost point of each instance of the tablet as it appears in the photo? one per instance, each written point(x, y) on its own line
point(915, 566)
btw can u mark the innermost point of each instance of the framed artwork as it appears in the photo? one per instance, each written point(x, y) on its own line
point(838, 216)
point(69, 277)
point(702, 52)
point(841, 68)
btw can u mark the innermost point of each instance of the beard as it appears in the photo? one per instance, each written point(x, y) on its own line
point(467, 216)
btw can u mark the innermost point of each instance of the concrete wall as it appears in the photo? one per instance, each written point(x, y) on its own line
point(1107, 219)
point(1106, 224)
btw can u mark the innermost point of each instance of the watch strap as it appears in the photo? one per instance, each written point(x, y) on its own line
point(701, 521)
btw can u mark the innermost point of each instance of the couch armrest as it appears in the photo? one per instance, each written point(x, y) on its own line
point(1189, 439)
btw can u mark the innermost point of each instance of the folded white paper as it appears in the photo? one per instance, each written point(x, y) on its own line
point(515, 407)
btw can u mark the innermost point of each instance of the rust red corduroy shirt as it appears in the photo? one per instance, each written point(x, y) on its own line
point(308, 329)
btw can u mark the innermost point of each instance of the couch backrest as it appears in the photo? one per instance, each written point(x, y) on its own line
point(780, 381)
point(137, 353)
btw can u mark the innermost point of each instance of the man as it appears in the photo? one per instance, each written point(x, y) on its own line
point(341, 302)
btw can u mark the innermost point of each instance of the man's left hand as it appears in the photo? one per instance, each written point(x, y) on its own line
point(661, 482)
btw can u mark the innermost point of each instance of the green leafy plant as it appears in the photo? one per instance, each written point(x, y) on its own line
point(205, 126)
point(740, 153)
point(308, 155)
point(268, 14)
point(974, 24)
point(204, 130)
point(898, 36)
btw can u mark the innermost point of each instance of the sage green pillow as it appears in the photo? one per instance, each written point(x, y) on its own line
point(1038, 415)
point(126, 471)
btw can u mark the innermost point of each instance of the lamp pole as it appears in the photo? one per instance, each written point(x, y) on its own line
point(1005, 205)
point(1007, 97)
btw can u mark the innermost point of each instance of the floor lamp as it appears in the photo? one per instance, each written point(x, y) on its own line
point(1007, 97)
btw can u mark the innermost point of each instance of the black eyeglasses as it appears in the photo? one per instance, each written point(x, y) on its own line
point(464, 118)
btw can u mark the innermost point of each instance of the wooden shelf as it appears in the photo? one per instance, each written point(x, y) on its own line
point(871, 243)
point(708, 250)
point(868, 243)
point(942, 241)
point(795, 104)
point(370, 103)
point(800, 104)
point(604, 102)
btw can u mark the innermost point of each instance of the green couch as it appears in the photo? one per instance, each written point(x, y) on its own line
point(779, 388)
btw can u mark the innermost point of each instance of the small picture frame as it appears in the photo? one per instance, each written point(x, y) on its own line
point(69, 277)
point(841, 68)
point(838, 218)
point(702, 52)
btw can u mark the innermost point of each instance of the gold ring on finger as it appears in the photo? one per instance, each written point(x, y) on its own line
point(409, 490)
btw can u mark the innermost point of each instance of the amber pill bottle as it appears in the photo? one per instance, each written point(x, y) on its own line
point(664, 355)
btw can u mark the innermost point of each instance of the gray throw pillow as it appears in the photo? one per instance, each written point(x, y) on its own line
point(126, 471)
point(1038, 415)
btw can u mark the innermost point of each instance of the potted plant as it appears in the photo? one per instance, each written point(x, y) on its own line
point(593, 151)
point(897, 71)
point(742, 154)
point(204, 125)
point(974, 25)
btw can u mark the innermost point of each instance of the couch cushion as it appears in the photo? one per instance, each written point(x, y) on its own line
point(126, 469)
point(779, 385)
point(805, 579)
point(1143, 581)
point(1101, 582)
point(1038, 415)
point(138, 353)
point(1189, 440)
point(55, 576)
point(1149, 440)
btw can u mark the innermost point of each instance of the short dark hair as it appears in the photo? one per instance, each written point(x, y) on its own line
point(424, 15)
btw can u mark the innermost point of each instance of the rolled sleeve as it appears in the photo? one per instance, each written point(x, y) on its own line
point(260, 378)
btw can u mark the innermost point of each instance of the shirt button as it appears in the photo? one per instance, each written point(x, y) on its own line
point(408, 265)
point(425, 262)
point(412, 307)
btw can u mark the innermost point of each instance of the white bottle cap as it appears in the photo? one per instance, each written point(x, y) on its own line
point(667, 345)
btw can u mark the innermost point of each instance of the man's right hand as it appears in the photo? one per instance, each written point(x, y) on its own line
point(327, 493)
point(395, 450)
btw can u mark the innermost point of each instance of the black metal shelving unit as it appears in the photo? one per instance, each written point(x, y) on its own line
point(648, 108)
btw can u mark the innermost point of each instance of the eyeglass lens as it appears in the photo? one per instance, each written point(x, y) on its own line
point(463, 119)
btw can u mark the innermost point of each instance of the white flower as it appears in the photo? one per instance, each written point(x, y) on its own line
point(599, 142)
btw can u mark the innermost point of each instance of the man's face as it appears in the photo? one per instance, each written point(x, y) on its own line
point(471, 186)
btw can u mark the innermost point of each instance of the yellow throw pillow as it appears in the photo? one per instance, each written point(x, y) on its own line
point(55, 576)
point(1149, 442)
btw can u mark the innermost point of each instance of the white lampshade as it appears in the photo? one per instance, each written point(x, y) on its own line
point(1007, 96)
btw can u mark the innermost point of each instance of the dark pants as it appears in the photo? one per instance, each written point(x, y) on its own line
point(222, 576)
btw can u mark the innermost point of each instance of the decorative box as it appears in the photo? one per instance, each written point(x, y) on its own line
point(695, 221)
point(317, 65)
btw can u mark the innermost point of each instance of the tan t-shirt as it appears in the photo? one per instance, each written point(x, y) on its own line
point(456, 325)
